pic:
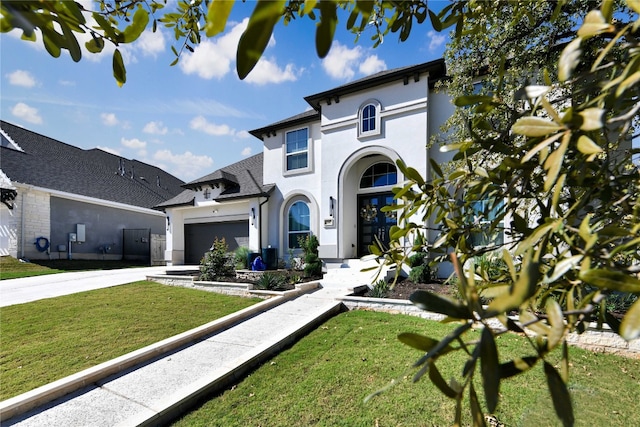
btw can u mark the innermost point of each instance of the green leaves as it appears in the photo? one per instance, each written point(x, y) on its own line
point(326, 27)
point(119, 71)
point(630, 325)
point(255, 38)
point(430, 301)
point(489, 368)
point(559, 395)
point(611, 279)
point(535, 126)
point(217, 16)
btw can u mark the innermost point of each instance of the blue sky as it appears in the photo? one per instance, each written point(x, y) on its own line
point(192, 118)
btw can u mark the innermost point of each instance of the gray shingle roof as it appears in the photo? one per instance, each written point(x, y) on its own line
point(242, 180)
point(54, 165)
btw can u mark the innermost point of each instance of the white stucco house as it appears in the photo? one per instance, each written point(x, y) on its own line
point(326, 171)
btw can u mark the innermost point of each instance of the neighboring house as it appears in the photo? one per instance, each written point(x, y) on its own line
point(54, 193)
point(327, 172)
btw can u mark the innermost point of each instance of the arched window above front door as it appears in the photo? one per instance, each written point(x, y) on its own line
point(299, 223)
point(379, 175)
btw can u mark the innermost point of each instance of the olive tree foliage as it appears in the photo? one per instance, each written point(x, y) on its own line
point(59, 23)
point(542, 143)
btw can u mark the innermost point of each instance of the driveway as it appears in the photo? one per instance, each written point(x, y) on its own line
point(19, 291)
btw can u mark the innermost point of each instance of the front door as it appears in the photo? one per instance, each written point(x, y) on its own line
point(373, 224)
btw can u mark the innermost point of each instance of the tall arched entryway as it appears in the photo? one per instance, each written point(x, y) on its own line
point(364, 186)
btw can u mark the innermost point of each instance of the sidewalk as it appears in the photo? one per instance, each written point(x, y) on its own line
point(209, 359)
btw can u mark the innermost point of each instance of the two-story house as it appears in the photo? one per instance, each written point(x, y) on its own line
point(327, 172)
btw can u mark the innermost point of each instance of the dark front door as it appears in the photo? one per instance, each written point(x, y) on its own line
point(372, 222)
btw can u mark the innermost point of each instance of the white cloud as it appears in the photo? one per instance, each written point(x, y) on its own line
point(66, 83)
point(201, 124)
point(21, 78)
point(155, 128)
point(213, 58)
point(436, 40)
point(341, 61)
point(26, 113)
point(372, 65)
point(135, 144)
point(246, 151)
point(267, 71)
point(243, 134)
point(150, 43)
point(186, 165)
point(109, 150)
point(109, 119)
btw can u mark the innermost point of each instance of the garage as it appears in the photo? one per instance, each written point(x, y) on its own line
point(200, 237)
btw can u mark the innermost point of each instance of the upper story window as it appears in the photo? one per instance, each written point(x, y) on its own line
point(379, 175)
point(369, 119)
point(297, 149)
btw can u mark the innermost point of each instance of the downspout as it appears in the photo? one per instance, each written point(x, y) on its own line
point(22, 225)
point(260, 221)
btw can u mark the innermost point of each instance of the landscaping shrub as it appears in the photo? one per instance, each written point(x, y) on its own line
point(419, 263)
point(312, 263)
point(271, 282)
point(241, 256)
point(218, 262)
point(380, 289)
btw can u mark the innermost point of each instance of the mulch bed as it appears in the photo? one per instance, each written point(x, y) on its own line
point(405, 287)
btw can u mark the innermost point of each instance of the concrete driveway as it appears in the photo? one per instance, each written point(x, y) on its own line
point(19, 291)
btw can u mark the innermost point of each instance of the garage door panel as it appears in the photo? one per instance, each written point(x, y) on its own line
point(200, 237)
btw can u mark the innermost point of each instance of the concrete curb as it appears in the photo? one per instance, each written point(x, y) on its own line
point(22, 403)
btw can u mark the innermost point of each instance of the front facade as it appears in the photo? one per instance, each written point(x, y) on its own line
point(326, 172)
point(60, 201)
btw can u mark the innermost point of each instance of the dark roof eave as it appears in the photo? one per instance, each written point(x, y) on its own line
point(436, 70)
point(266, 192)
point(296, 120)
point(163, 206)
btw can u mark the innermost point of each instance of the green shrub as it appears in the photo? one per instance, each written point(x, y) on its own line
point(218, 262)
point(380, 289)
point(240, 258)
point(271, 281)
point(312, 263)
point(419, 262)
point(420, 274)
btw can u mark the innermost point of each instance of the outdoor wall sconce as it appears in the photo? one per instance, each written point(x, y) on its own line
point(253, 216)
point(168, 222)
point(331, 206)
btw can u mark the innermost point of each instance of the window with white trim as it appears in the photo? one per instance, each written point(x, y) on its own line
point(299, 223)
point(297, 149)
point(369, 119)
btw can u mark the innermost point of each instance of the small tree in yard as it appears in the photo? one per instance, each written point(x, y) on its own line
point(217, 262)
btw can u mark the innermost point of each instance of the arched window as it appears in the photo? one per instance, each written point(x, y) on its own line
point(299, 221)
point(369, 119)
point(379, 175)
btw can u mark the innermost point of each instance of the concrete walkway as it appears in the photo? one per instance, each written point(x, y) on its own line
point(154, 385)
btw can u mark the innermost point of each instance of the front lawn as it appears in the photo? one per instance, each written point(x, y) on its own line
point(323, 379)
point(46, 340)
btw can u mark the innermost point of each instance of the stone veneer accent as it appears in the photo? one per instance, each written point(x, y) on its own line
point(37, 222)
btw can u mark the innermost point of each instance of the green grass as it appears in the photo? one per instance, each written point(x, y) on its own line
point(46, 340)
point(323, 379)
point(11, 268)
